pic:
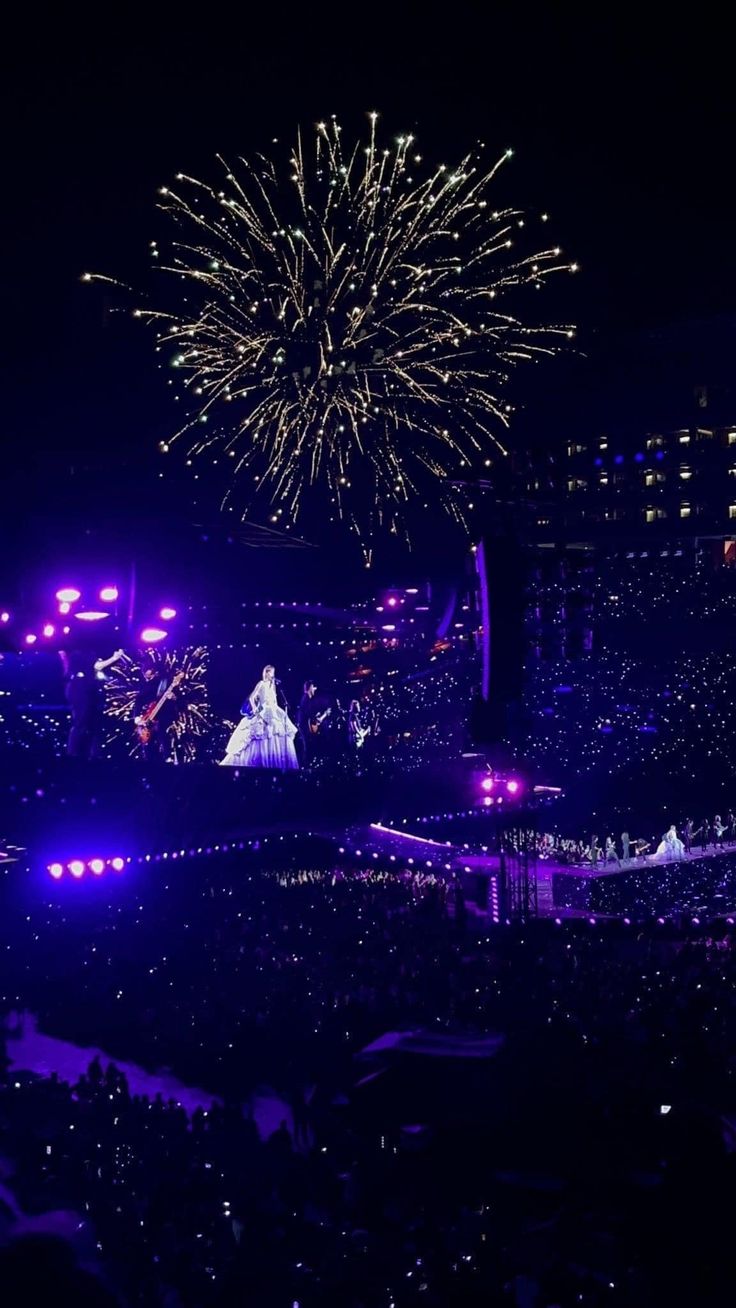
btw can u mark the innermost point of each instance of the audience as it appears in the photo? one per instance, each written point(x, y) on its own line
point(582, 1165)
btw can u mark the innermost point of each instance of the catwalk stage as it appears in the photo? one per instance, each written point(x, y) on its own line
point(641, 888)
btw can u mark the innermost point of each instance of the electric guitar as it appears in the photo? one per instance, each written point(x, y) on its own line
point(145, 724)
point(316, 723)
point(359, 735)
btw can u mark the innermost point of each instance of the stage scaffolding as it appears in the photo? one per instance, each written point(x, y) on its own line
point(518, 890)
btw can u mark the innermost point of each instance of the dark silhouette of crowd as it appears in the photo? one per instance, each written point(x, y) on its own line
point(587, 1162)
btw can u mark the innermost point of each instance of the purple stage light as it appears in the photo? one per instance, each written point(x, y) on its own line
point(117, 864)
point(76, 867)
point(56, 870)
point(31, 639)
point(97, 865)
point(64, 608)
point(512, 787)
point(487, 783)
point(487, 801)
point(49, 630)
point(68, 595)
point(91, 615)
point(167, 613)
point(392, 601)
point(152, 635)
point(388, 626)
point(4, 617)
point(109, 594)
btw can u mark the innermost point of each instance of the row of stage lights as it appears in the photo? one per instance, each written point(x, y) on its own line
point(78, 867)
point(67, 600)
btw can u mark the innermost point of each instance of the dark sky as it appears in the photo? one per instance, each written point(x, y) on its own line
point(625, 135)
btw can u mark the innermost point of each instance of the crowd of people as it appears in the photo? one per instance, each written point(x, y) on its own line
point(594, 1144)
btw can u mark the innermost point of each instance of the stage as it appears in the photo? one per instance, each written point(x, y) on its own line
point(645, 887)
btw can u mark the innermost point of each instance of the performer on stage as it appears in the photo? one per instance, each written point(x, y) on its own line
point(264, 738)
point(357, 728)
point(306, 719)
point(611, 855)
point(670, 847)
point(84, 680)
point(157, 688)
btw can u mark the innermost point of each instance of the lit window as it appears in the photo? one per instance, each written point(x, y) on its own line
point(684, 438)
point(732, 438)
point(732, 510)
point(685, 510)
point(732, 471)
point(603, 442)
point(650, 514)
point(655, 442)
point(685, 473)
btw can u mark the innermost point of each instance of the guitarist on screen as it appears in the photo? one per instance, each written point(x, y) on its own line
point(155, 710)
point(309, 722)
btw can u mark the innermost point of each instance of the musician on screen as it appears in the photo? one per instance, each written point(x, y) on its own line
point(155, 711)
point(264, 737)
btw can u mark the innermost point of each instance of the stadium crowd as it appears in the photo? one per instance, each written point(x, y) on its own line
point(577, 1166)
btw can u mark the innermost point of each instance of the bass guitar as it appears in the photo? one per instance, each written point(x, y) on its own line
point(316, 723)
point(145, 724)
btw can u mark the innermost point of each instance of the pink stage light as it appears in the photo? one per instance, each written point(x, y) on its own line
point(117, 864)
point(487, 801)
point(167, 613)
point(49, 630)
point(4, 616)
point(109, 594)
point(91, 615)
point(56, 870)
point(392, 601)
point(97, 865)
point(512, 787)
point(487, 783)
point(64, 607)
point(76, 867)
point(31, 639)
point(68, 595)
point(152, 635)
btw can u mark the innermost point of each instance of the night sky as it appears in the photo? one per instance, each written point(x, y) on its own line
point(624, 135)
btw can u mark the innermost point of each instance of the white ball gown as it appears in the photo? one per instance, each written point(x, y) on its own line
point(670, 847)
point(265, 740)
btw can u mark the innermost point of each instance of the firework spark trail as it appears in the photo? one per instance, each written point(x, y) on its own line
point(192, 720)
point(343, 325)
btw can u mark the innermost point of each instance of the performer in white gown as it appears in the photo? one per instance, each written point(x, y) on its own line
point(264, 738)
point(670, 847)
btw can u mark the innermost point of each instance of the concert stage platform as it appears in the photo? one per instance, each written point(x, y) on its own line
point(643, 888)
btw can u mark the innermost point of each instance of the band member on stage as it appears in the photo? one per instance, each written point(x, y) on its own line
point(306, 719)
point(358, 728)
point(84, 687)
point(264, 738)
point(156, 683)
